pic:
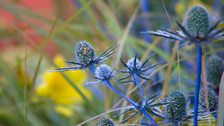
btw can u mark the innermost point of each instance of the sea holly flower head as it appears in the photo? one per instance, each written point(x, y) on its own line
point(134, 66)
point(214, 70)
point(134, 63)
point(84, 52)
point(197, 21)
point(212, 100)
point(176, 107)
point(105, 122)
point(86, 56)
point(196, 29)
point(103, 72)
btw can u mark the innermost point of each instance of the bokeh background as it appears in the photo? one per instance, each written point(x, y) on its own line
point(37, 36)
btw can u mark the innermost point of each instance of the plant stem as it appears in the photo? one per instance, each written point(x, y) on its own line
point(140, 88)
point(92, 69)
point(111, 87)
point(148, 116)
point(198, 83)
point(107, 83)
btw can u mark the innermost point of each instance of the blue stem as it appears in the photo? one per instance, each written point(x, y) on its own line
point(148, 116)
point(198, 83)
point(107, 83)
point(140, 88)
point(92, 69)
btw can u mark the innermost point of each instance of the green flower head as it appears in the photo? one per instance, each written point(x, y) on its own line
point(105, 122)
point(214, 70)
point(212, 99)
point(176, 108)
point(197, 21)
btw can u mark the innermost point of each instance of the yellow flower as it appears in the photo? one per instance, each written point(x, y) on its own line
point(56, 87)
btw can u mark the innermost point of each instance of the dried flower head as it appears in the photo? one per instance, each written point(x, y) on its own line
point(106, 122)
point(176, 107)
point(103, 72)
point(214, 70)
point(212, 100)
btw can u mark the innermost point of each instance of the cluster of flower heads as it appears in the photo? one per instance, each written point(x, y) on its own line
point(196, 30)
point(87, 58)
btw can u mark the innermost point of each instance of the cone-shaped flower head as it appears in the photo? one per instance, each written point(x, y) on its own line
point(103, 72)
point(214, 70)
point(197, 21)
point(212, 100)
point(105, 122)
point(132, 65)
point(84, 52)
point(176, 108)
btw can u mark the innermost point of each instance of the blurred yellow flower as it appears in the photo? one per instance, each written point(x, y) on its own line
point(56, 87)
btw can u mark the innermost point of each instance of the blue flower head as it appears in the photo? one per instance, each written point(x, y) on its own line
point(196, 29)
point(103, 72)
point(134, 63)
point(134, 66)
point(87, 57)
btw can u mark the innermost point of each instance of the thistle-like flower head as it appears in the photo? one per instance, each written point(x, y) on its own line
point(196, 29)
point(212, 100)
point(197, 21)
point(134, 63)
point(105, 122)
point(214, 70)
point(176, 107)
point(86, 56)
point(103, 72)
point(84, 52)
